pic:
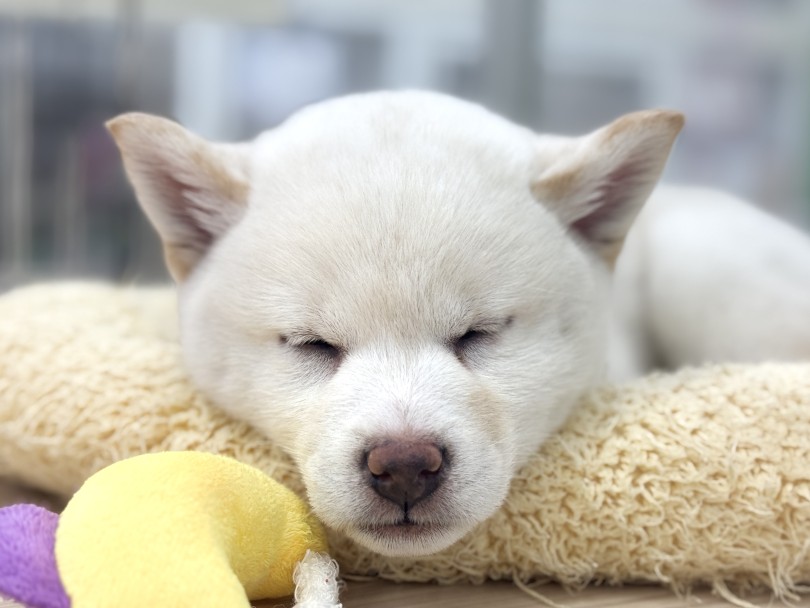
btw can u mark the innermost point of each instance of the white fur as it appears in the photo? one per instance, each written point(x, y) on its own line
point(390, 224)
point(705, 277)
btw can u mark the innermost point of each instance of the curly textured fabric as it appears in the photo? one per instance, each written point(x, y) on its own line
point(702, 476)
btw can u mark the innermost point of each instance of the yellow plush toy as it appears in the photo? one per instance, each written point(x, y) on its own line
point(172, 529)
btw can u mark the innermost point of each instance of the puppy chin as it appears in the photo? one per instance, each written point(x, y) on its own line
point(406, 539)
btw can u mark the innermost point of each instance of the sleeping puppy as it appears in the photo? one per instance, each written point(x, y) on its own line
point(409, 293)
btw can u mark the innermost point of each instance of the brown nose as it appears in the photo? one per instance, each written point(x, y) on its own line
point(405, 472)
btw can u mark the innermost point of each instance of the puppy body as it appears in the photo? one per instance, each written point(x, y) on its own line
point(407, 270)
point(706, 277)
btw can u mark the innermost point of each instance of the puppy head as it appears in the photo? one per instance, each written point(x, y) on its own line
point(403, 290)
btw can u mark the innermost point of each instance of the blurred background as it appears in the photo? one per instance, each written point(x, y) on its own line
point(739, 69)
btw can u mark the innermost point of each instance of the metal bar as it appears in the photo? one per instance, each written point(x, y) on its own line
point(16, 116)
point(70, 232)
point(511, 72)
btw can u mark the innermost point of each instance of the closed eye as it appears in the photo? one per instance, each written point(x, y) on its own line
point(470, 338)
point(313, 347)
point(477, 337)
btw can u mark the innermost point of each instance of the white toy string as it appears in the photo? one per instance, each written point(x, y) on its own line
point(316, 582)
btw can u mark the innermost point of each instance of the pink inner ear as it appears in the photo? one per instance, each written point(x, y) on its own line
point(614, 203)
point(180, 209)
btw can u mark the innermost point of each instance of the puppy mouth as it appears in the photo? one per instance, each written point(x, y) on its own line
point(403, 529)
point(406, 537)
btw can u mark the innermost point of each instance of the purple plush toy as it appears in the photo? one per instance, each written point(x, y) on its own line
point(28, 571)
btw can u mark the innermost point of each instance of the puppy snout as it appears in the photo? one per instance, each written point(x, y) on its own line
point(405, 472)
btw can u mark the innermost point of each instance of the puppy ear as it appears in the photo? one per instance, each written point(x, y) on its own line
point(597, 184)
point(191, 190)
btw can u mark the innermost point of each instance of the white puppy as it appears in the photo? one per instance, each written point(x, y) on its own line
point(405, 291)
